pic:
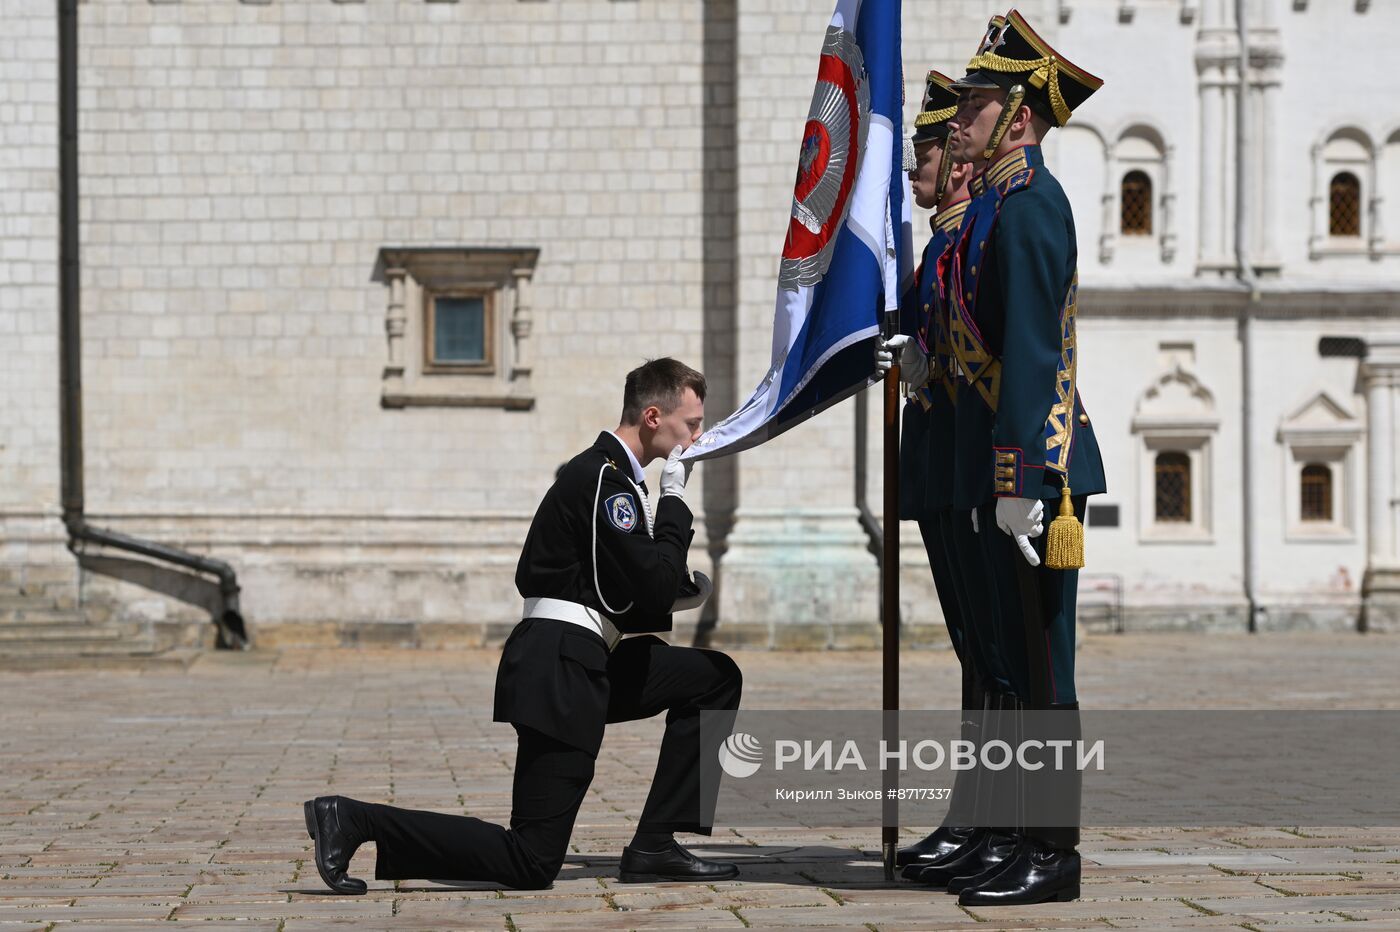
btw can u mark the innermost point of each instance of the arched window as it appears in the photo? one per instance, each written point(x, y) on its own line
point(1316, 489)
point(1344, 205)
point(1135, 200)
point(1173, 482)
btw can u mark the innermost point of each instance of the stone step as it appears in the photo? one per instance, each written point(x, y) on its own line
point(41, 613)
point(66, 634)
point(61, 595)
point(78, 646)
point(40, 660)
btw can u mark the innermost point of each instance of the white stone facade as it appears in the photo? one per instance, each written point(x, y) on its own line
point(253, 175)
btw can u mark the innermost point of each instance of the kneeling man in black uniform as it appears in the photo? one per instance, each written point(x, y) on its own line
point(597, 564)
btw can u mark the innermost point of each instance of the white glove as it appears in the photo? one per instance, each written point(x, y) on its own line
point(975, 528)
point(1021, 518)
point(686, 603)
point(913, 364)
point(674, 474)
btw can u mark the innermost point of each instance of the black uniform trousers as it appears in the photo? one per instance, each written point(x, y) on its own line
point(1036, 634)
point(1035, 621)
point(645, 676)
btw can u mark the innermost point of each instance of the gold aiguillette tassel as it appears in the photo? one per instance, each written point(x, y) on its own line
point(1064, 543)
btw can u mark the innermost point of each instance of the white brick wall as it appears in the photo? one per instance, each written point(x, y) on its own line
point(28, 259)
point(244, 162)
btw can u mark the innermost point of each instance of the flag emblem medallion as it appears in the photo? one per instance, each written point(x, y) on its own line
point(832, 142)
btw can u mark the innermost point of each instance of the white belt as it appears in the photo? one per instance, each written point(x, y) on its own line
point(574, 614)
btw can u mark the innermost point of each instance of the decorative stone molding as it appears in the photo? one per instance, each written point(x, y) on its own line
point(411, 275)
point(1066, 11)
point(1190, 9)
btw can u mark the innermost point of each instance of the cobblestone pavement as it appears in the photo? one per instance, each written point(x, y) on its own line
point(132, 799)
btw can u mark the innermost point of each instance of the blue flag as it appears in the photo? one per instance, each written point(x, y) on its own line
point(848, 253)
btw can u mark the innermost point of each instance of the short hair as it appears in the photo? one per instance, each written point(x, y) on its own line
point(658, 382)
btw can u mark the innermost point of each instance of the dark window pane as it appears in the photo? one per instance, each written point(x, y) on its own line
point(1173, 475)
point(459, 330)
point(1135, 204)
point(1103, 516)
point(1345, 206)
point(1317, 492)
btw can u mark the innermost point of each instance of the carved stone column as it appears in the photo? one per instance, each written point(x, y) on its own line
point(1168, 221)
point(1266, 62)
point(1217, 64)
point(1108, 232)
point(522, 322)
point(395, 322)
point(1380, 375)
point(1318, 204)
point(1376, 207)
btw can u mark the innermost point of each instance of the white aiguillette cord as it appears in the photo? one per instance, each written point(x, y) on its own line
point(646, 510)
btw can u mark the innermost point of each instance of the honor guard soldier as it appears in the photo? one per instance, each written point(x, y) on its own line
point(1024, 444)
point(939, 183)
point(597, 564)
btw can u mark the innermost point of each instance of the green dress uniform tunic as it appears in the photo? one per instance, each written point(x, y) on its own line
point(1021, 428)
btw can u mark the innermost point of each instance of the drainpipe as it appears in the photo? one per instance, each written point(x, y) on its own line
point(1244, 143)
point(226, 617)
point(868, 521)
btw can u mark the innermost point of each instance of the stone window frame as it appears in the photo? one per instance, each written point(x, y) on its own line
point(1335, 445)
point(1192, 439)
point(1139, 146)
point(1331, 158)
point(1190, 431)
point(410, 276)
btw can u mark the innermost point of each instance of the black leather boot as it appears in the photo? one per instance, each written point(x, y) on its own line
point(1037, 874)
point(942, 841)
point(913, 870)
point(336, 840)
point(993, 847)
point(959, 884)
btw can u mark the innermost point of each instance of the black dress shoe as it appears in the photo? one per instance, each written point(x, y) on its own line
point(334, 844)
point(940, 842)
point(1037, 874)
point(990, 850)
point(671, 863)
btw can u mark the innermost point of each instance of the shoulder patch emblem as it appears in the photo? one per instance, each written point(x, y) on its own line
point(622, 511)
point(1017, 181)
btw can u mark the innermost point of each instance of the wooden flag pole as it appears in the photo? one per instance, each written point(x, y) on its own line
point(889, 613)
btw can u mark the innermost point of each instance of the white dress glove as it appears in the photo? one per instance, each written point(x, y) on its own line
point(913, 364)
point(686, 602)
point(1022, 519)
point(674, 474)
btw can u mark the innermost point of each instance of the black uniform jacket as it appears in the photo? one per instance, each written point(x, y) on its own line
point(553, 675)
